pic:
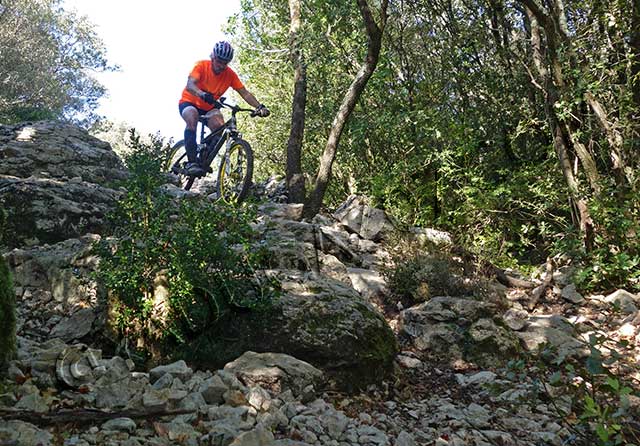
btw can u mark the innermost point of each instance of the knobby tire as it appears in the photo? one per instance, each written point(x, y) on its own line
point(178, 158)
point(235, 173)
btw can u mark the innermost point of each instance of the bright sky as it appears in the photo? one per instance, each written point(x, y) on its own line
point(156, 44)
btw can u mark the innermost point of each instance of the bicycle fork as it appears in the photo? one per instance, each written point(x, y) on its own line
point(228, 168)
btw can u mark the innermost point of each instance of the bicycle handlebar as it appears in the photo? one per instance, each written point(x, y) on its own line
point(234, 108)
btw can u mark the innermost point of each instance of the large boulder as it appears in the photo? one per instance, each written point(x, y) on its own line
point(57, 150)
point(47, 210)
point(317, 320)
point(449, 328)
point(56, 182)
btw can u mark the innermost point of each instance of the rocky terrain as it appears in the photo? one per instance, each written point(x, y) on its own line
point(434, 373)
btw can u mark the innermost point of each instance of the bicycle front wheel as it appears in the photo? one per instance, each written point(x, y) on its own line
point(176, 164)
point(235, 172)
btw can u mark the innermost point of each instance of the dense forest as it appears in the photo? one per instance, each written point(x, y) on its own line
point(512, 124)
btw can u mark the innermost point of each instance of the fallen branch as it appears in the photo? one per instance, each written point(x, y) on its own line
point(510, 281)
point(540, 290)
point(84, 416)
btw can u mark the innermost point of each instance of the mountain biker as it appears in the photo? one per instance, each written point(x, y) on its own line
point(208, 80)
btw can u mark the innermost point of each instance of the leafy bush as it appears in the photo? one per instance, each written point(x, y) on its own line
point(614, 260)
point(172, 269)
point(590, 393)
point(422, 276)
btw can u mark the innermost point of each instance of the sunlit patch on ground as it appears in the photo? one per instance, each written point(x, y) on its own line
point(26, 134)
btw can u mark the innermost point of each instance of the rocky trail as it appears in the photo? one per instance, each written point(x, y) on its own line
point(445, 360)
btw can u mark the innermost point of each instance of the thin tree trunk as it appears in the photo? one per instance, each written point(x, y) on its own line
point(613, 137)
point(634, 43)
point(561, 139)
point(295, 177)
point(585, 157)
point(556, 33)
point(374, 34)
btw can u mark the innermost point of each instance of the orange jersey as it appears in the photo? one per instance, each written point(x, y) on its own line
point(208, 81)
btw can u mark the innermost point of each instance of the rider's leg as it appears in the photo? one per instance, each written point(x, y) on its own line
point(215, 121)
point(190, 116)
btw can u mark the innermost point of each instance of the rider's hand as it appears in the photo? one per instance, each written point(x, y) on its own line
point(261, 111)
point(208, 98)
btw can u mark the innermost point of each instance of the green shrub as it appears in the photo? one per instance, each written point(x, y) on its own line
point(173, 268)
point(7, 314)
point(591, 394)
point(422, 276)
point(614, 260)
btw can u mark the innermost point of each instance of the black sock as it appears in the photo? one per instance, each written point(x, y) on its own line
point(190, 144)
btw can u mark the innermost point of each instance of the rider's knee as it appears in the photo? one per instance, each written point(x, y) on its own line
point(215, 122)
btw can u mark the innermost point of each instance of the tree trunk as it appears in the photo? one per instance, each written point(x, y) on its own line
point(295, 178)
point(634, 43)
point(561, 133)
point(557, 34)
point(614, 138)
point(374, 44)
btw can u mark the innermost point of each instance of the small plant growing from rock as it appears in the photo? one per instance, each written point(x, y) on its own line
point(588, 393)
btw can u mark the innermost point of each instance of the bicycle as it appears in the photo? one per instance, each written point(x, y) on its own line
point(235, 170)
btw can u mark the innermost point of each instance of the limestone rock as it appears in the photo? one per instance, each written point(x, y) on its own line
point(55, 182)
point(553, 330)
point(369, 283)
point(24, 434)
point(627, 302)
point(47, 210)
point(370, 223)
point(178, 369)
point(572, 295)
point(57, 150)
point(276, 372)
point(457, 328)
point(319, 321)
point(76, 326)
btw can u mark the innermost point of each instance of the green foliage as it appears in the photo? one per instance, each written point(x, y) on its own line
point(599, 410)
point(614, 260)
point(173, 268)
point(451, 131)
point(7, 314)
point(48, 55)
point(419, 276)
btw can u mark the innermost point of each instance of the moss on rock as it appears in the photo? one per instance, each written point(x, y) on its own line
point(347, 339)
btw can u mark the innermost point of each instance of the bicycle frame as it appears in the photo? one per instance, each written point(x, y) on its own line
point(228, 132)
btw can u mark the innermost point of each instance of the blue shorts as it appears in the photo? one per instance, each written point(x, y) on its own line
point(183, 105)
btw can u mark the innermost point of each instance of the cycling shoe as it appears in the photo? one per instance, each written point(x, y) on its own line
point(194, 169)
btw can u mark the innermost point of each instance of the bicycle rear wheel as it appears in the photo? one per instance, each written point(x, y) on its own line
point(235, 172)
point(176, 164)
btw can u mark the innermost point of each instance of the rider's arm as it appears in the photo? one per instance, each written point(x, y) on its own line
point(193, 88)
point(248, 97)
